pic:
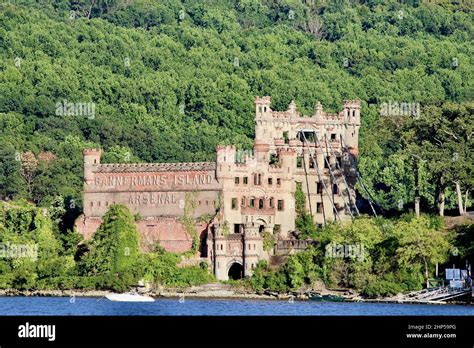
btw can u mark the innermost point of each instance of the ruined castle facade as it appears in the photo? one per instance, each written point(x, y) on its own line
point(242, 206)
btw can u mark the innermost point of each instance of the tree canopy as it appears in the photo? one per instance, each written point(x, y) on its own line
point(170, 80)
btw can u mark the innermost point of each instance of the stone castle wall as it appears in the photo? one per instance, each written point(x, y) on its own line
point(158, 193)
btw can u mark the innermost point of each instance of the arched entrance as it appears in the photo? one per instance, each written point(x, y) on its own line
point(236, 271)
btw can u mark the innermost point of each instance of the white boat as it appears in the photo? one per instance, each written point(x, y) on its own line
point(129, 297)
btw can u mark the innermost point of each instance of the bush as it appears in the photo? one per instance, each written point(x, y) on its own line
point(257, 281)
point(381, 288)
point(276, 281)
point(410, 279)
point(294, 273)
point(6, 281)
point(86, 283)
point(189, 276)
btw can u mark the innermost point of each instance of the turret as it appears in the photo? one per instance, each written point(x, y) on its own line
point(352, 125)
point(225, 158)
point(318, 111)
point(352, 112)
point(292, 108)
point(263, 118)
point(91, 160)
point(253, 247)
point(262, 107)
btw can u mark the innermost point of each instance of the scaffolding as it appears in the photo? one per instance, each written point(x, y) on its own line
point(359, 179)
point(321, 179)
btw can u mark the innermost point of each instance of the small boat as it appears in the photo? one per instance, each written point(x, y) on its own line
point(327, 298)
point(129, 297)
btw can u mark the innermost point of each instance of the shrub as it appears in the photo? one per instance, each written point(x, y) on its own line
point(381, 287)
point(276, 281)
point(257, 281)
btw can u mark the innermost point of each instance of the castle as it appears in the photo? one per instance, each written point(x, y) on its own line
point(226, 210)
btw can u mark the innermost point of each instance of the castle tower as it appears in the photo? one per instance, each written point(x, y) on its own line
point(253, 247)
point(91, 160)
point(225, 159)
point(219, 252)
point(263, 119)
point(352, 125)
point(262, 107)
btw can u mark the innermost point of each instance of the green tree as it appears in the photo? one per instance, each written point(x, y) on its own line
point(114, 248)
point(421, 242)
point(304, 222)
point(295, 273)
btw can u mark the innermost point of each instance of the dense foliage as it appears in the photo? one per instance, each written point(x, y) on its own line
point(111, 260)
point(44, 263)
point(171, 79)
point(386, 257)
point(114, 249)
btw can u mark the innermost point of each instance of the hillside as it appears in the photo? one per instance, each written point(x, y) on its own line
point(171, 80)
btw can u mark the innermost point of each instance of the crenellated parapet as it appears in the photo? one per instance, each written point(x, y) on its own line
point(154, 167)
point(265, 113)
point(92, 152)
point(275, 129)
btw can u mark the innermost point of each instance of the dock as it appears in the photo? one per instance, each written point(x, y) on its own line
point(436, 295)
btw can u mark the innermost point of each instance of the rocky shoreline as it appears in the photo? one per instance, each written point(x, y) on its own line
point(210, 291)
point(215, 291)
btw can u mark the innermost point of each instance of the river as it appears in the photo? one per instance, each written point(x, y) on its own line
point(195, 307)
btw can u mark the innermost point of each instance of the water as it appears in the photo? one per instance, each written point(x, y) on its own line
point(193, 307)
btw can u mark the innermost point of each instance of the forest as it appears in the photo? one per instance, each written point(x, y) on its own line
point(167, 81)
